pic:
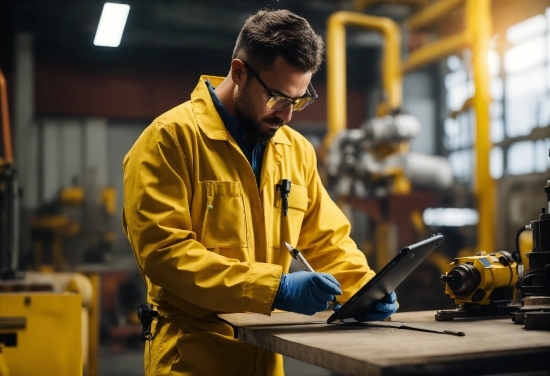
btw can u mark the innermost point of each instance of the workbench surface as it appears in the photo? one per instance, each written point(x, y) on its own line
point(490, 346)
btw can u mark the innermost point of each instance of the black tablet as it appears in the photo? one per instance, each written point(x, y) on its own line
point(387, 279)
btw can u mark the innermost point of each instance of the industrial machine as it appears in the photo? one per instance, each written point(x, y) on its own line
point(374, 159)
point(502, 284)
point(47, 318)
point(534, 286)
point(482, 285)
point(69, 221)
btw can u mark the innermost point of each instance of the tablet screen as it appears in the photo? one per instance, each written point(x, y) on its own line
point(387, 279)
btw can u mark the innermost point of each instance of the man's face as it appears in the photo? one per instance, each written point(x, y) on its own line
point(259, 121)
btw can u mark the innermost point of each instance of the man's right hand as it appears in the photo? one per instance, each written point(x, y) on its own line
point(306, 292)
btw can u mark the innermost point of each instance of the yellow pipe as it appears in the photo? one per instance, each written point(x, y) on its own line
point(431, 13)
point(336, 66)
point(478, 16)
point(436, 50)
point(4, 111)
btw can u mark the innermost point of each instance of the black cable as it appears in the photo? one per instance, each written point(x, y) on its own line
point(531, 273)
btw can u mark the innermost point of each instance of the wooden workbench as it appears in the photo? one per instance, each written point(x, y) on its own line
point(490, 346)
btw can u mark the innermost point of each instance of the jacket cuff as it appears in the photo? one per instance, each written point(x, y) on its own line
point(262, 283)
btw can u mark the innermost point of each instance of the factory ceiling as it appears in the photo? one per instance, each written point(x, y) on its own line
point(176, 32)
point(162, 33)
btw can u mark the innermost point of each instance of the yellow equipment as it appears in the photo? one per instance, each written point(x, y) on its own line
point(477, 279)
point(482, 285)
point(40, 332)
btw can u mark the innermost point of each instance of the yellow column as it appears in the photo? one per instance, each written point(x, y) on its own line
point(336, 78)
point(479, 22)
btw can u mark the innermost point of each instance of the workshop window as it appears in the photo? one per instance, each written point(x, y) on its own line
point(526, 97)
point(527, 157)
point(497, 165)
point(461, 162)
point(458, 129)
point(519, 108)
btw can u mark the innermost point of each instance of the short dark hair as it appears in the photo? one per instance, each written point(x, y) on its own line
point(272, 33)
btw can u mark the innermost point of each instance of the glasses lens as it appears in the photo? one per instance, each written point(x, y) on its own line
point(302, 103)
point(278, 103)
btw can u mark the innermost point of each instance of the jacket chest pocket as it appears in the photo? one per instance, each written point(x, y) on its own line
point(291, 224)
point(225, 222)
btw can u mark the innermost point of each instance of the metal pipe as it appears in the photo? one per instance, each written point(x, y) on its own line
point(336, 66)
point(436, 50)
point(478, 18)
point(11, 185)
point(15, 223)
point(6, 134)
point(431, 13)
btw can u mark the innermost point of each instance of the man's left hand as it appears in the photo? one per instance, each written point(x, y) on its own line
point(381, 310)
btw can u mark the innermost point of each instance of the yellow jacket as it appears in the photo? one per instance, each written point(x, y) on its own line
point(208, 240)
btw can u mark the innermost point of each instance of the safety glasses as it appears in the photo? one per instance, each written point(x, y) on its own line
point(279, 102)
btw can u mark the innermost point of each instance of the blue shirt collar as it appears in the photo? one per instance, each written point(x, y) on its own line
point(255, 155)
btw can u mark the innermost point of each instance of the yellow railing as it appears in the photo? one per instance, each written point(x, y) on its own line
point(336, 66)
point(476, 36)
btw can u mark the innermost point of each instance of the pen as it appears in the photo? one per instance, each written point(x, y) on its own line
point(298, 256)
point(284, 188)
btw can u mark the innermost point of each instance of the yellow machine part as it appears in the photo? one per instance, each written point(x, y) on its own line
point(72, 196)
point(3, 367)
point(493, 275)
point(108, 199)
point(525, 246)
point(43, 333)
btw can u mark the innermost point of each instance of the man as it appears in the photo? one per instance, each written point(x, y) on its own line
point(212, 190)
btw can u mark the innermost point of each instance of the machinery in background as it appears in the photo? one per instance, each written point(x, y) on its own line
point(374, 160)
point(51, 226)
point(72, 229)
point(502, 284)
point(50, 318)
point(370, 173)
point(534, 286)
point(41, 333)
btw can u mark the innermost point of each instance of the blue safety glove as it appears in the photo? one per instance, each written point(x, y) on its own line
point(381, 310)
point(306, 292)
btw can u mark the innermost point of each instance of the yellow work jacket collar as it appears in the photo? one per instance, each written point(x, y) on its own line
point(207, 117)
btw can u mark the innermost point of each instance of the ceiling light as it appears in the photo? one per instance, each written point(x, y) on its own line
point(111, 24)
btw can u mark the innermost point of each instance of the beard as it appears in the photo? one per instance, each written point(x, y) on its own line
point(252, 126)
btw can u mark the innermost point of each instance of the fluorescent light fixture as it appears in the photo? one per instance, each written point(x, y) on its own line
point(450, 217)
point(111, 24)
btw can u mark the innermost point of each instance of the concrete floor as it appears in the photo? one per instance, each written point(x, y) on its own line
point(130, 363)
